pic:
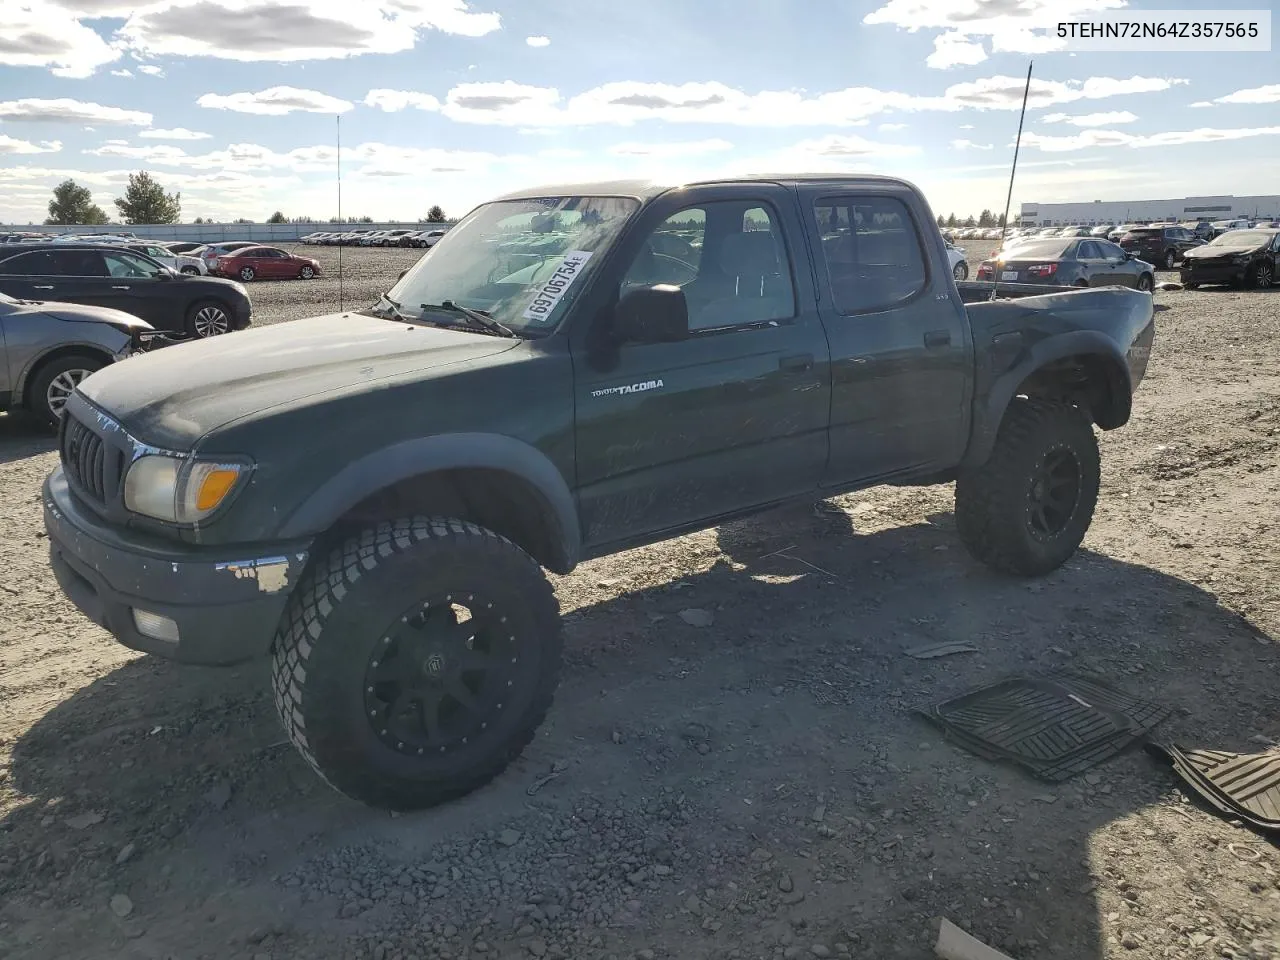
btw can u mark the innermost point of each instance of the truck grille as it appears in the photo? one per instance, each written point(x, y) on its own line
point(92, 467)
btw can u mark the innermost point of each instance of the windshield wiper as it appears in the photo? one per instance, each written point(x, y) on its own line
point(474, 317)
point(397, 311)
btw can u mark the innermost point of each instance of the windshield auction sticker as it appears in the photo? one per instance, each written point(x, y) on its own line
point(550, 292)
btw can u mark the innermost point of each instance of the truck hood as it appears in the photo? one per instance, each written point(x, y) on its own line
point(79, 313)
point(175, 395)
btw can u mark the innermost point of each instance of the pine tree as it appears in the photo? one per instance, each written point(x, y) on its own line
point(73, 203)
point(145, 201)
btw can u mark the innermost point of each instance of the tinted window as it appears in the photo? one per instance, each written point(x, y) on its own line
point(1089, 250)
point(57, 263)
point(730, 260)
point(1110, 251)
point(1040, 249)
point(872, 251)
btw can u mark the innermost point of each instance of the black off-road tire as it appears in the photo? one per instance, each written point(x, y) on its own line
point(994, 501)
point(338, 618)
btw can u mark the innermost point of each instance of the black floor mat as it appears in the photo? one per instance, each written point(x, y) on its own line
point(1055, 726)
point(1241, 785)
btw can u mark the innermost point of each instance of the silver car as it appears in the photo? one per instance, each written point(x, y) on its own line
point(47, 348)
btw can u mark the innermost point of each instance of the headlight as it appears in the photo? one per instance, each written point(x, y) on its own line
point(179, 491)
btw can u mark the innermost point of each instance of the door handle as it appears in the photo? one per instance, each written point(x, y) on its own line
point(937, 338)
point(45, 286)
point(121, 288)
point(796, 362)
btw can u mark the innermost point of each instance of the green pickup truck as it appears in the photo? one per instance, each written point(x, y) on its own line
point(370, 497)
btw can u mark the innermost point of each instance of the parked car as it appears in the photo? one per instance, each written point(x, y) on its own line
point(1237, 257)
point(1160, 244)
point(1102, 230)
point(1074, 232)
point(215, 250)
point(266, 263)
point(415, 658)
point(426, 239)
point(98, 275)
point(1201, 229)
point(162, 254)
point(47, 348)
point(186, 247)
point(956, 260)
point(1070, 261)
point(1225, 226)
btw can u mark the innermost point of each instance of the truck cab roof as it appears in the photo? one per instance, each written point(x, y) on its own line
point(649, 189)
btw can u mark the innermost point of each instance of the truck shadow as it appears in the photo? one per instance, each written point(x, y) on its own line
point(800, 696)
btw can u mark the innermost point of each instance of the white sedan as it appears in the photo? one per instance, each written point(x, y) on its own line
point(955, 256)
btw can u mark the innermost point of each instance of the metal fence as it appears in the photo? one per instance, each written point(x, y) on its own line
point(218, 232)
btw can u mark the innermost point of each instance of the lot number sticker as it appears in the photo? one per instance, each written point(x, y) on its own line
point(549, 293)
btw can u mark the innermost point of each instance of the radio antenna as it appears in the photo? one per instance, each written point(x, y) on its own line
point(1008, 200)
point(341, 239)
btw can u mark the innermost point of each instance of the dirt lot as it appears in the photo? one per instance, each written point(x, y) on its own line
point(757, 787)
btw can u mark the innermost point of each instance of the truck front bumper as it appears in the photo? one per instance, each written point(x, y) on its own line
point(224, 608)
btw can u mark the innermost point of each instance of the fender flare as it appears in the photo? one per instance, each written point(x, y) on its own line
point(402, 461)
point(1076, 343)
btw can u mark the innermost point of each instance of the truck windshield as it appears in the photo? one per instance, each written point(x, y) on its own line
point(522, 262)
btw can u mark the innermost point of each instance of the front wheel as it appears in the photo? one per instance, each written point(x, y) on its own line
point(417, 661)
point(1026, 510)
point(1146, 283)
point(307, 272)
point(1263, 276)
point(961, 271)
point(53, 385)
point(208, 319)
point(191, 271)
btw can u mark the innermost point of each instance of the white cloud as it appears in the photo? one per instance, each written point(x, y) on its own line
point(1090, 119)
point(1012, 26)
point(538, 41)
point(966, 126)
point(970, 145)
point(122, 72)
point(151, 70)
point(685, 149)
point(842, 148)
point(955, 50)
point(37, 34)
point(393, 101)
point(1268, 94)
point(177, 133)
point(63, 110)
point(1118, 138)
point(286, 30)
point(275, 102)
point(10, 146)
point(891, 127)
point(623, 103)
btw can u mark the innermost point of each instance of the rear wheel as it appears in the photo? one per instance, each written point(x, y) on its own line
point(961, 271)
point(208, 319)
point(54, 383)
point(418, 661)
point(1170, 259)
point(247, 274)
point(1026, 510)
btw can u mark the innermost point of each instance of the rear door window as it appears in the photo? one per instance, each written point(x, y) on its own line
point(872, 250)
point(56, 263)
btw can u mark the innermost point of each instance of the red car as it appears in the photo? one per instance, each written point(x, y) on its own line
point(265, 263)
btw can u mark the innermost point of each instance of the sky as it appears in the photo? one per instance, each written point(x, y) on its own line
point(236, 103)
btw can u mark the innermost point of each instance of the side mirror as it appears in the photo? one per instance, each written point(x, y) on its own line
point(657, 314)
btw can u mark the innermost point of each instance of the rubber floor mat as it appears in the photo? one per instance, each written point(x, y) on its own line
point(1243, 785)
point(1055, 726)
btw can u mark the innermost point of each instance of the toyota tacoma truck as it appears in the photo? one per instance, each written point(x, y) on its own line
point(371, 497)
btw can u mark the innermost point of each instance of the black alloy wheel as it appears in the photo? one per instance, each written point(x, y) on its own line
point(1054, 494)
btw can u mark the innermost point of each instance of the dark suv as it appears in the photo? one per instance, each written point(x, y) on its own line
point(1160, 244)
point(102, 276)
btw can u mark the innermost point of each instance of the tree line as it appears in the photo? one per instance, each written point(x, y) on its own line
point(985, 219)
point(145, 201)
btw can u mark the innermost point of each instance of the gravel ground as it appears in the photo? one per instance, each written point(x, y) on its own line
point(755, 787)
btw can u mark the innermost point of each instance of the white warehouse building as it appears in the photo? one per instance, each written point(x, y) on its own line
point(1149, 211)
